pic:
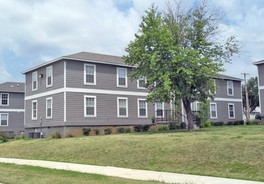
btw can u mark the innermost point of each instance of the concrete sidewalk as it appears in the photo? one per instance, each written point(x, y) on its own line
point(129, 173)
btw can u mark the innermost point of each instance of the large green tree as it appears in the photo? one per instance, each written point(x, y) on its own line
point(179, 53)
point(253, 96)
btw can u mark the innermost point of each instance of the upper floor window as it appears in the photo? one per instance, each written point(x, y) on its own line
point(141, 83)
point(142, 108)
point(213, 110)
point(34, 110)
point(230, 88)
point(231, 111)
point(89, 106)
point(89, 74)
point(159, 108)
point(3, 119)
point(122, 107)
point(121, 77)
point(34, 81)
point(49, 108)
point(5, 99)
point(49, 76)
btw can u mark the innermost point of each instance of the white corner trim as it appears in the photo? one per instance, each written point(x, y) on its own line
point(228, 99)
point(261, 87)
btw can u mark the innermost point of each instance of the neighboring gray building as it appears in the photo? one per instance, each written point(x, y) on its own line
point(85, 89)
point(227, 104)
point(12, 107)
point(260, 65)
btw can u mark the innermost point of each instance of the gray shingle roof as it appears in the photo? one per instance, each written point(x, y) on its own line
point(221, 76)
point(258, 62)
point(17, 87)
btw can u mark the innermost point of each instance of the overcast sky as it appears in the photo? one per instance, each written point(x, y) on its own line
point(35, 31)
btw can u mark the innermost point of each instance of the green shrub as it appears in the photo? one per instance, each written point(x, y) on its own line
point(206, 124)
point(3, 137)
point(96, 131)
point(138, 128)
point(252, 122)
point(230, 123)
point(121, 130)
point(107, 131)
point(69, 135)
point(86, 131)
point(20, 136)
point(172, 125)
point(241, 122)
point(55, 135)
point(145, 128)
point(127, 130)
point(163, 128)
point(219, 123)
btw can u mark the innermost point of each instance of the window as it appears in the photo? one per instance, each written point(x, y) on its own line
point(34, 81)
point(89, 74)
point(34, 110)
point(49, 108)
point(230, 90)
point(5, 99)
point(213, 110)
point(121, 77)
point(142, 108)
point(49, 76)
point(89, 106)
point(4, 119)
point(231, 111)
point(159, 108)
point(122, 107)
point(141, 82)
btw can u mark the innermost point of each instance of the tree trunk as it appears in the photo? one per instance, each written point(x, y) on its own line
point(188, 110)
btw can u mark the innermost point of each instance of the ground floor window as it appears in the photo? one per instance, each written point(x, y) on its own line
point(89, 106)
point(159, 108)
point(34, 109)
point(122, 107)
point(49, 108)
point(142, 108)
point(231, 111)
point(213, 110)
point(4, 119)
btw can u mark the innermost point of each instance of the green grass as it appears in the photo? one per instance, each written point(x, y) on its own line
point(14, 174)
point(233, 152)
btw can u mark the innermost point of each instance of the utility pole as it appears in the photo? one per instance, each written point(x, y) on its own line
point(247, 103)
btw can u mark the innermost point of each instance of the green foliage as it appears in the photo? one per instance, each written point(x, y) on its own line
point(172, 125)
point(203, 111)
point(141, 128)
point(20, 136)
point(107, 131)
point(127, 130)
point(253, 96)
point(218, 123)
point(69, 135)
point(56, 135)
point(176, 52)
point(121, 130)
point(163, 128)
point(3, 137)
point(206, 124)
point(96, 131)
point(252, 122)
point(86, 131)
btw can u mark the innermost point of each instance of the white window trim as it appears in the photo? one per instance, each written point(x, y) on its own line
point(142, 99)
point(122, 98)
point(51, 106)
point(34, 118)
point(233, 111)
point(7, 99)
point(51, 68)
point(215, 110)
point(157, 109)
point(95, 106)
point(35, 73)
point(84, 72)
point(228, 88)
point(138, 87)
point(1, 119)
point(117, 77)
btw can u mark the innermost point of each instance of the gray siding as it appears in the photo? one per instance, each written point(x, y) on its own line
point(57, 112)
point(58, 78)
point(105, 77)
point(261, 102)
point(16, 101)
point(221, 89)
point(261, 74)
point(15, 122)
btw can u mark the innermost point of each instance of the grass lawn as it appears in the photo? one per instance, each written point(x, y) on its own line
point(234, 152)
point(14, 174)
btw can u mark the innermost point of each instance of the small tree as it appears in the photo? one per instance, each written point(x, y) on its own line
point(253, 96)
point(203, 111)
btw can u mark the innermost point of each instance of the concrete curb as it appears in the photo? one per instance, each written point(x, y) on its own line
point(129, 173)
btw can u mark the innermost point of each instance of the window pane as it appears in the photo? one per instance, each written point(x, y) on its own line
point(122, 111)
point(122, 77)
point(3, 119)
point(4, 97)
point(90, 106)
point(122, 107)
point(89, 78)
point(141, 82)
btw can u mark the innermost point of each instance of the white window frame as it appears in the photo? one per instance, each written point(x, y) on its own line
point(230, 110)
point(232, 87)
point(142, 78)
point(146, 108)
point(118, 115)
point(156, 109)
point(34, 75)
point(7, 117)
point(51, 108)
point(213, 103)
point(2, 99)
point(32, 110)
point(95, 106)
point(117, 77)
point(49, 75)
point(94, 74)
